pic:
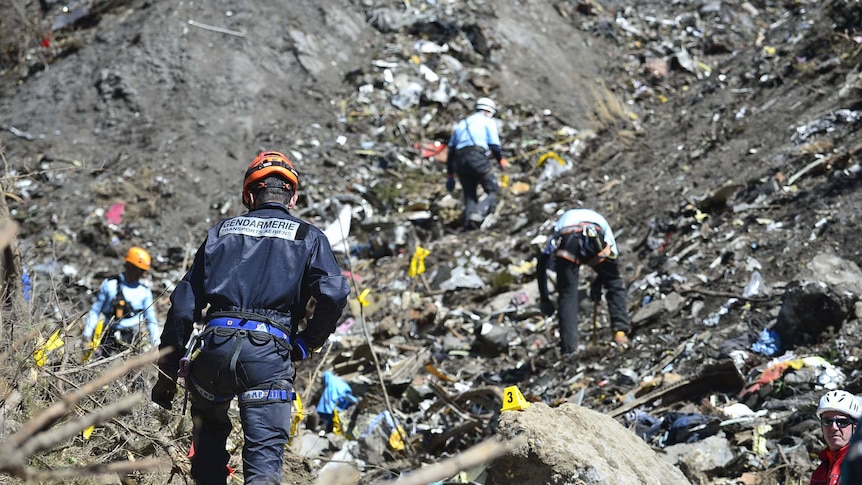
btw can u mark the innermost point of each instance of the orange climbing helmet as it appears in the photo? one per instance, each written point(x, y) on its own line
point(139, 258)
point(264, 165)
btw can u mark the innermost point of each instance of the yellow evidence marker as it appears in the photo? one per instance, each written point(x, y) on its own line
point(513, 400)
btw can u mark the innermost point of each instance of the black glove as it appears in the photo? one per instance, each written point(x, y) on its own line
point(547, 307)
point(164, 392)
point(596, 290)
point(300, 350)
point(450, 184)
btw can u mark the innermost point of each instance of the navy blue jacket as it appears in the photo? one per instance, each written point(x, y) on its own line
point(265, 262)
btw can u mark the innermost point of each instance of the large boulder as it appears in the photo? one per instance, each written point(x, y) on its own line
point(571, 444)
point(819, 300)
point(842, 275)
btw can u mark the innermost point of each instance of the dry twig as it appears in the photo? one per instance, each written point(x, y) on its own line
point(33, 437)
point(481, 453)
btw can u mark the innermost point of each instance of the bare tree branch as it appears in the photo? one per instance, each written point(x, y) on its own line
point(8, 231)
point(43, 441)
point(481, 453)
point(15, 452)
point(60, 408)
point(89, 471)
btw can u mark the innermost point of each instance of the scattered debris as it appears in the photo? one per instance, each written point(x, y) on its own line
point(737, 254)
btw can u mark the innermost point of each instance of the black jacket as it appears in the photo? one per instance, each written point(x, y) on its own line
point(265, 262)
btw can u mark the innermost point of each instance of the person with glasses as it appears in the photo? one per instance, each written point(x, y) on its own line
point(839, 412)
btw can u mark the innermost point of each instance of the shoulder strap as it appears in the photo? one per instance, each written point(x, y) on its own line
point(302, 232)
point(121, 306)
point(467, 128)
point(118, 295)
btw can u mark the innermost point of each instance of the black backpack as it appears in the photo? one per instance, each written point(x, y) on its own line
point(583, 244)
point(120, 307)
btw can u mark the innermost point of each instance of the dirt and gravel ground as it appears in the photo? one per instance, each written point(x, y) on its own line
point(139, 103)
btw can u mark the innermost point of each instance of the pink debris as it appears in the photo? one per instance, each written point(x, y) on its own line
point(115, 213)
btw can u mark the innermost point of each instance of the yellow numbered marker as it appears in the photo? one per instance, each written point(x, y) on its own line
point(54, 342)
point(336, 422)
point(363, 297)
point(395, 440)
point(97, 339)
point(548, 155)
point(513, 400)
point(298, 414)
point(417, 262)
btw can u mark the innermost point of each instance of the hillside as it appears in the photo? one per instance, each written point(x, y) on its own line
point(719, 138)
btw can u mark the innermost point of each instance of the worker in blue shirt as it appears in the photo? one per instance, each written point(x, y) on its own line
point(582, 237)
point(474, 139)
point(125, 302)
point(256, 273)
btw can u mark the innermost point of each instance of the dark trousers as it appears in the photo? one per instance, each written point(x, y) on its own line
point(474, 169)
point(260, 365)
point(608, 274)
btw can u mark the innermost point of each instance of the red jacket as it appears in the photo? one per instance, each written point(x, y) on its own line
point(829, 471)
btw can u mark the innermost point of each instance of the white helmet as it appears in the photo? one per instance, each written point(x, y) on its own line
point(840, 401)
point(486, 104)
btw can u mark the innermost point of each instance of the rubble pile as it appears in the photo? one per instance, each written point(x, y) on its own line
point(720, 142)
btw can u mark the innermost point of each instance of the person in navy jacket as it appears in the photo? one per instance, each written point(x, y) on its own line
point(255, 274)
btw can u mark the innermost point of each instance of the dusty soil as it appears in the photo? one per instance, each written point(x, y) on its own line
point(136, 104)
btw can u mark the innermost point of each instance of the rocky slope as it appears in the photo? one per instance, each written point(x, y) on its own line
point(720, 139)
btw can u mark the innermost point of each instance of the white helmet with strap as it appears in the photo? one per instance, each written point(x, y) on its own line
point(486, 104)
point(840, 401)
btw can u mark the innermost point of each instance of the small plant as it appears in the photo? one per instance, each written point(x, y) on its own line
point(502, 280)
point(608, 110)
point(19, 32)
